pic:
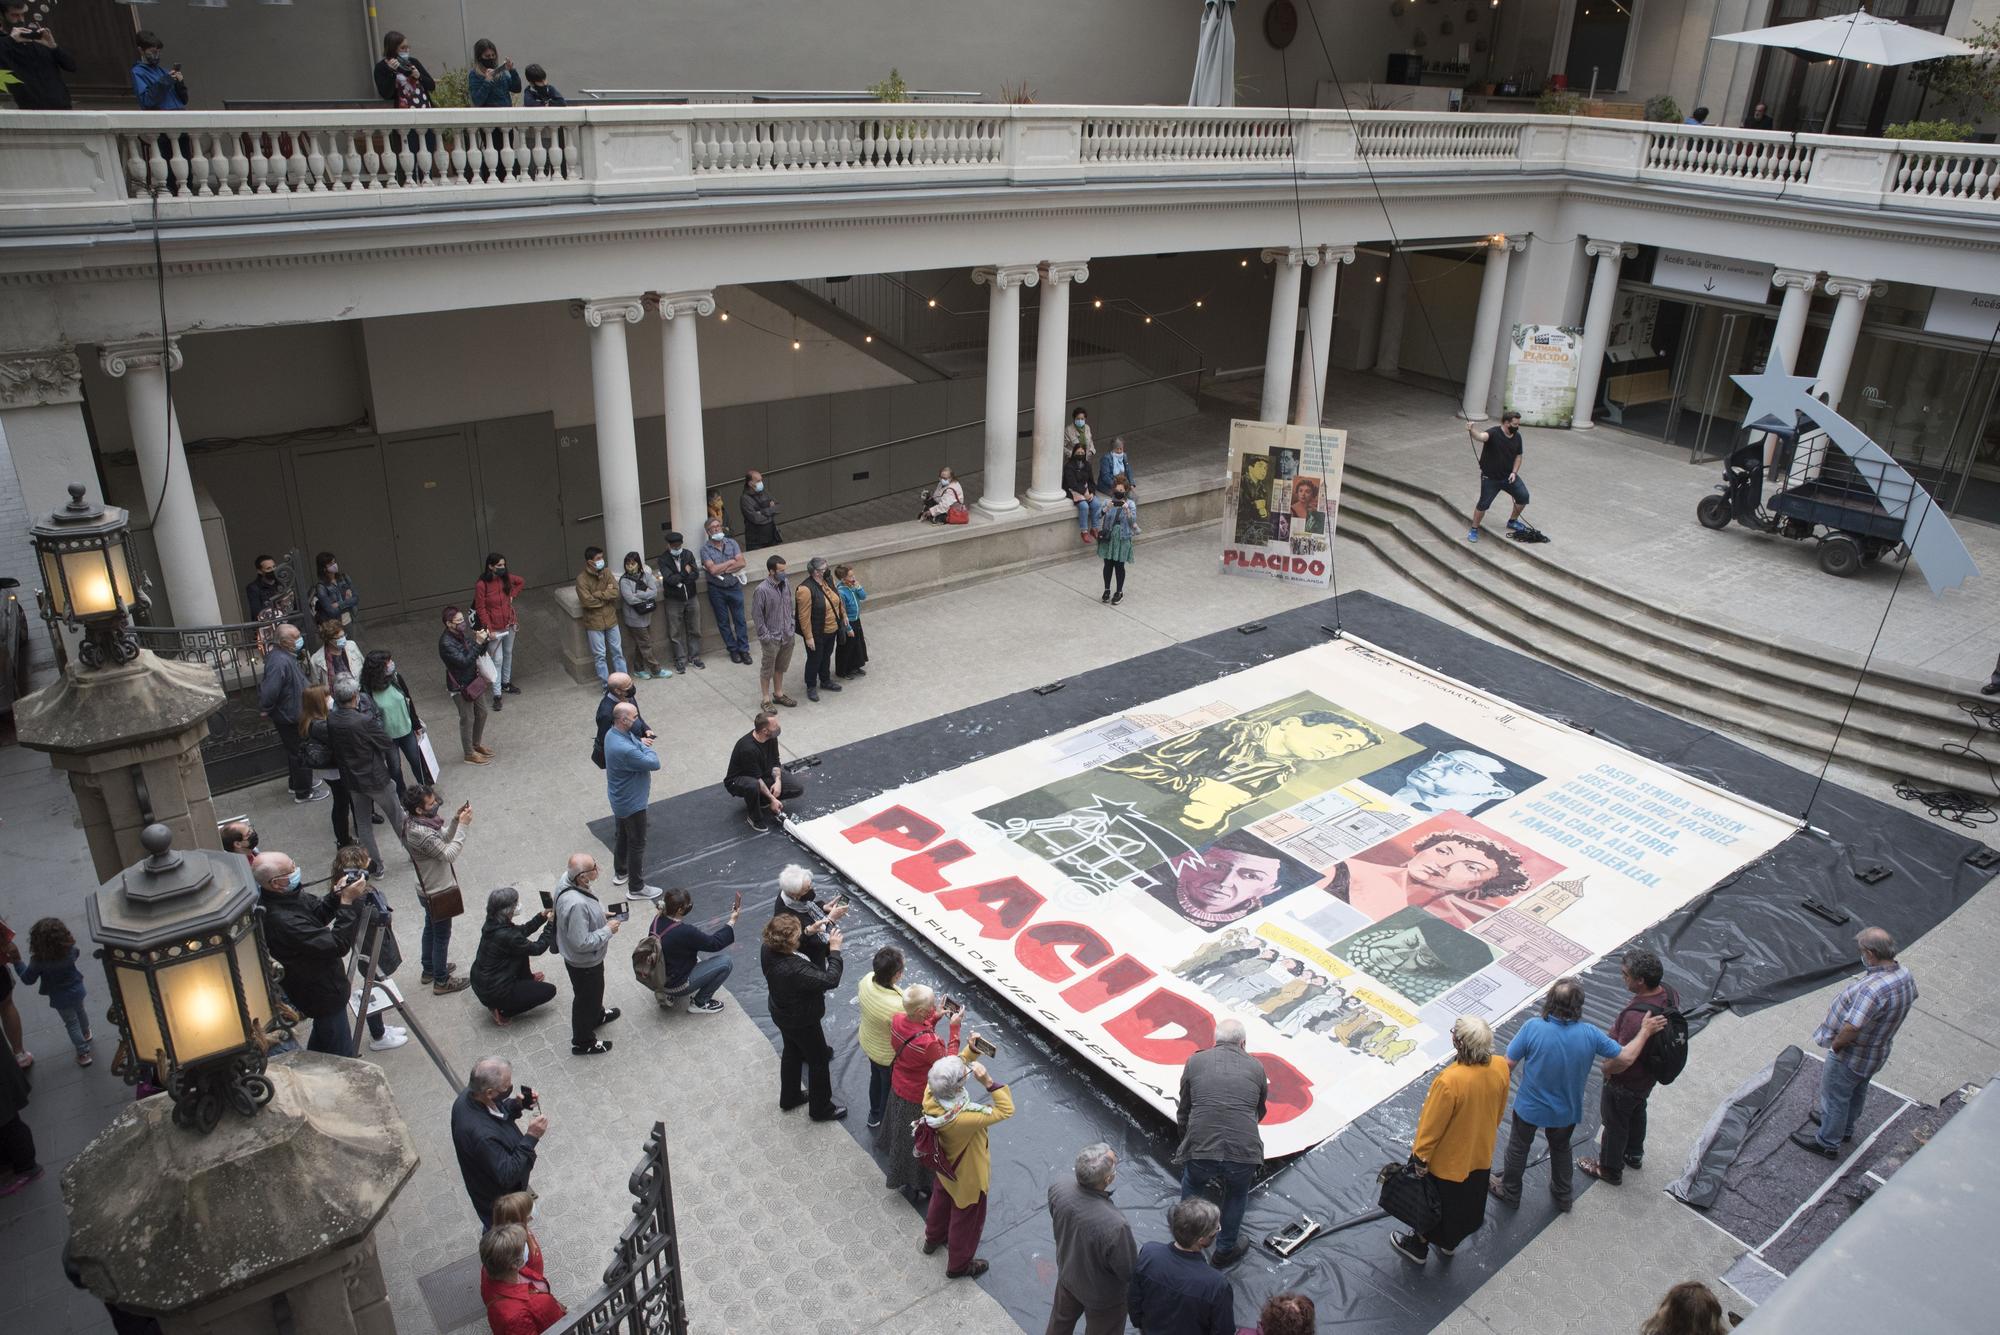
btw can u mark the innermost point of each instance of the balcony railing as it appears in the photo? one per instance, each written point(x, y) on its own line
point(114, 168)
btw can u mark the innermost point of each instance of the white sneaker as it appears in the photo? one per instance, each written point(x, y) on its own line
point(392, 1037)
point(618, 878)
point(645, 891)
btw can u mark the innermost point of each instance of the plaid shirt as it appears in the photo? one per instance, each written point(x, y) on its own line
point(1875, 1004)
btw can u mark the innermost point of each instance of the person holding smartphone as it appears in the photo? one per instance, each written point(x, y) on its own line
point(916, 1047)
point(157, 89)
point(502, 977)
point(816, 921)
point(682, 945)
point(798, 986)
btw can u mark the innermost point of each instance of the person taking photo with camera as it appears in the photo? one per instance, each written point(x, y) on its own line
point(28, 51)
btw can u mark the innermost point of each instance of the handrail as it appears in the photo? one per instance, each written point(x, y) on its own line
point(709, 486)
point(724, 96)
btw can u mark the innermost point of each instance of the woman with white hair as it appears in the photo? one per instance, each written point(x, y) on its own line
point(915, 1048)
point(957, 1213)
point(1454, 1141)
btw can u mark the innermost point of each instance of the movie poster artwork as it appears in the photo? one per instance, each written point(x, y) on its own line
point(1342, 849)
point(1278, 510)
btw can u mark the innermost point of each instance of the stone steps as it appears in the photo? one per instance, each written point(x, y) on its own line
point(1780, 695)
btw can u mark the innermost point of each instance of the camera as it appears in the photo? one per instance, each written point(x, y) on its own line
point(349, 877)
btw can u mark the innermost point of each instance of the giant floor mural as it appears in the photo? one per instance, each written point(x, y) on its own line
point(1341, 848)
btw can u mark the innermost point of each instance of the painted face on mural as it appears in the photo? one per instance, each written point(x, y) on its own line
point(1452, 867)
point(1400, 950)
point(1457, 780)
point(1225, 884)
point(1297, 739)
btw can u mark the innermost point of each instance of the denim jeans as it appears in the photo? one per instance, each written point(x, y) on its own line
point(412, 752)
point(604, 645)
point(1841, 1094)
point(77, 1021)
point(727, 604)
point(878, 1091)
point(503, 653)
point(434, 948)
point(706, 978)
point(1087, 511)
point(1234, 1179)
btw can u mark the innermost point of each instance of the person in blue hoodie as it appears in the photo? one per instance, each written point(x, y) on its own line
point(156, 88)
point(52, 962)
point(629, 762)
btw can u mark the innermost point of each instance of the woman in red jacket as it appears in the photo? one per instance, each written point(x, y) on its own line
point(493, 596)
point(913, 1037)
point(515, 1303)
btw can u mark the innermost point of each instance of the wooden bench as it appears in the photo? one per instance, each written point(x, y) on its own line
point(1634, 388)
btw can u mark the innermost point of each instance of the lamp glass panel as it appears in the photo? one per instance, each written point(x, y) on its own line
point(255, 993)
point(98, 580)
point(200, 1001)
point(136, 1000)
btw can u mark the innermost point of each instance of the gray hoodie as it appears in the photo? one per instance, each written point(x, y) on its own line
point(583, 932)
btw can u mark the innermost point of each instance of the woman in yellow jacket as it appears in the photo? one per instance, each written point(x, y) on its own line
point(957, 1211)
point(1455, 1137)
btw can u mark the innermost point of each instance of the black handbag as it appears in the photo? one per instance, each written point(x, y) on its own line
point(1411, 1195)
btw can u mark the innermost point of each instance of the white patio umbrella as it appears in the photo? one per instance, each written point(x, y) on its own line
point(1857, 36)
point(1215, 57)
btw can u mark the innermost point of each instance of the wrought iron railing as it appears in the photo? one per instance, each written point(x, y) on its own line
point(644, 1292)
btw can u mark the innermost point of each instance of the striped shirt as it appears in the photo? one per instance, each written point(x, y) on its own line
point(1875, 1004)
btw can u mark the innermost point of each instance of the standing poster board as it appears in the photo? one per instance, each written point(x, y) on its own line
point(1278, 511)
point(1542, 366)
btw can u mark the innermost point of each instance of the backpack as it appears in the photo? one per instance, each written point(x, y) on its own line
point(647, 965)
point(1665, 1055)
point(928, 1147)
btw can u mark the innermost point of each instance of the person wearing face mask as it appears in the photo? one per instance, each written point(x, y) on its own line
point(493, 595)
point(777, 619)
point(333, 596)
point(1080, 485)
point(459, 648)
point(597, 596)
point(618, 691)
point(1117, 525)
point(760, 514)
point(491, 81)
point(757, 774)
point(265, 592)
point(822, 620)
point(385, 686)
point(797, 897)
point(278, 696)
point(678, 577)
point(519, 1207)
point(722, 561)
point(310, 935)
point(337, 656)
point(157, 89)
point(400, 78)
point(638, 599)
point(940, 499)
point(1078, 433)
point(28, 51)
point(516, 1303)
point(1114, 466)
point(495, 1156)
point(583, 939)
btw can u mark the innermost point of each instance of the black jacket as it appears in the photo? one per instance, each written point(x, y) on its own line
point(798, 987)
point(1078, 476)
point(310, 935)
point(504, 951)
point(362, 749)
point(604, 708)
point(39, 70)
point(385, 79)
point(760, 519)
point(678, 579)
point(811, 944)
point(460, 657)
point(495, 1156)
point(283, 684)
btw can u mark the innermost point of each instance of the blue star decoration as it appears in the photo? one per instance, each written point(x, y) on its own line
point(1776, 399)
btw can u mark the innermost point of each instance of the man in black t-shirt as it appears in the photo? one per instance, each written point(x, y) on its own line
point(1499, 452)
point(758, 776)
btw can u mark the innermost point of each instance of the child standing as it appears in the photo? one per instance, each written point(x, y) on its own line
point(52, 957)
point(850, 658)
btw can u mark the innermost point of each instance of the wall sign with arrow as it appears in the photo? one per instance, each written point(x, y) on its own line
point(1712, 275)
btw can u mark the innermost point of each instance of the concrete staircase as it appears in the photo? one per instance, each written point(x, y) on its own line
point(1788, 696)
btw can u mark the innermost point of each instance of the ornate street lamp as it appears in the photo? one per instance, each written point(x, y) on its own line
point(87, 577)
point(182, 942)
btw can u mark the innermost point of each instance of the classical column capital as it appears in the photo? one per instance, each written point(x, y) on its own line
point(686, 303)
point(1597, 248)
point(1802, 279)
point(1292, 255)
point(140, 354)
point(1501, 241)
point(1863, 288)
point(1337, 254)
point(1004, 276)
point(611, 309)
point(40, 379)
point(1055, 272)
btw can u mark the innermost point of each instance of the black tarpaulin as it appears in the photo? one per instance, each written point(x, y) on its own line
point(1746, 943)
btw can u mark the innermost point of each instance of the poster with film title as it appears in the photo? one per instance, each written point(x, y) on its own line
point(1542, 365)
point(1279, 506)
point(1340, 848)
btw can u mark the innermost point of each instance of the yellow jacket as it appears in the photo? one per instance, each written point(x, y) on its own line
point(964, 1138)
point(1460, 1119)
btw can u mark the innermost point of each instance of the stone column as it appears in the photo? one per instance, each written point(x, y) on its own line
point(1395, 303)
point(1610, 255)
point(1309, 398)
point(163, 471)
point(1486, 325)
point(1045, 463)
point(1003, 381)
point(687, 456)
point(617, 439)
point(1798, 286)
point(1842, 335)
point(41, 419)
point(1284, 331)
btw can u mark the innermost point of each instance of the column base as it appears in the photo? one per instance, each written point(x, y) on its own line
point(1584, 425)
point(1043, 500)
point(1004, 506)
point(1388, 372)
point(1474, 417)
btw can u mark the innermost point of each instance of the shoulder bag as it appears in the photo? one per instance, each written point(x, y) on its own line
point(440, 905)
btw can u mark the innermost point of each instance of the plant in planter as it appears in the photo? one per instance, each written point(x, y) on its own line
point(1940, 131)
point(895, 88)
point(1663, 108)
point(1017, 94)
point(1559, 102)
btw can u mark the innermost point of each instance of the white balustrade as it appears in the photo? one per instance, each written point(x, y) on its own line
point(779, 142)
point(1743, 155)
point(1168, 138)
point(1404, 137)
point(1959, 173)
